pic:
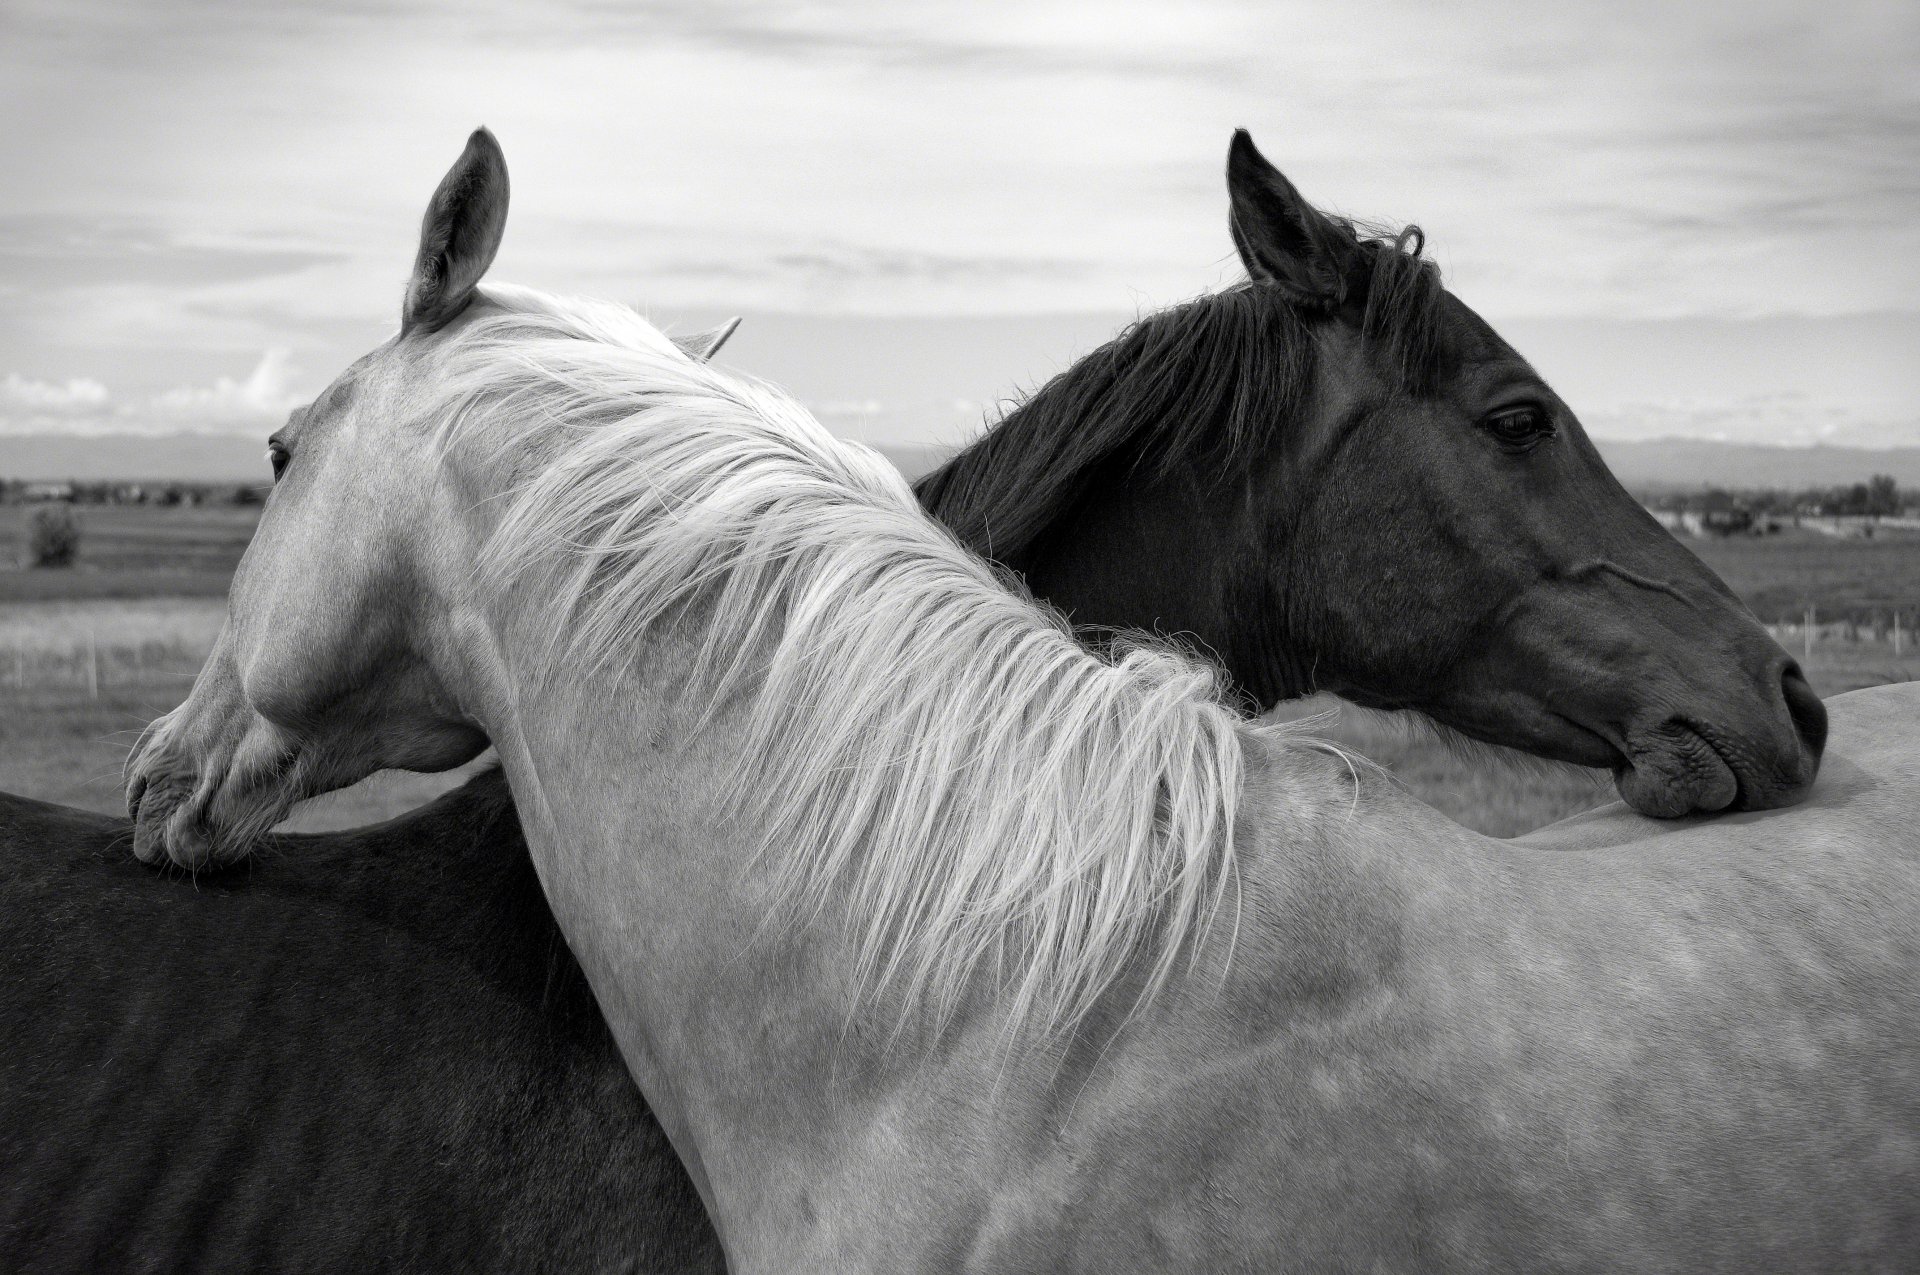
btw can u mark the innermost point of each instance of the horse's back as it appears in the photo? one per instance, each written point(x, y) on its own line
point(376, 1056)
point(1682, 1048)
point(1864, 796)
point(38, 838)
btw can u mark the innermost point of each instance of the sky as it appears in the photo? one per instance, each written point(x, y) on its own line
point(1697, 220)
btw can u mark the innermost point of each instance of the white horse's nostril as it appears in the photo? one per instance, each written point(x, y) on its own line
point(186, 839)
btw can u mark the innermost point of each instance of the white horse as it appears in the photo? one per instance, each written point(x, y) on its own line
point(939, 943)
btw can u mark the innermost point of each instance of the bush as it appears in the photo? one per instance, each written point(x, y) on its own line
point(53, 537)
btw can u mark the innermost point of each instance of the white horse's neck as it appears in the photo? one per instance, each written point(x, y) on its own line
point(740, 1029)
point(1002, 845)
point(791, 1096)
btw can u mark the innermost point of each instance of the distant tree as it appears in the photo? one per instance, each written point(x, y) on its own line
point(53, 536)
point(1883, 496)
point(1715, 500)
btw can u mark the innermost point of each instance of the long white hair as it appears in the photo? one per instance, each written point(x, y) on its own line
point(929, 750)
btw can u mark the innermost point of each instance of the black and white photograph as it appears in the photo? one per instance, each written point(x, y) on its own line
point(661, 638)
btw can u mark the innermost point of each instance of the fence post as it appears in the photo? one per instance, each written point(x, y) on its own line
point(1808, 632)
point(93, 665)
point(1896, 632)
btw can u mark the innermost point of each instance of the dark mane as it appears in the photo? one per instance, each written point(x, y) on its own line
point(1204, 381)
point(1402, 319)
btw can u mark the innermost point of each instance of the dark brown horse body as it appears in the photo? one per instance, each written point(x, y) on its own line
point(372, 1050)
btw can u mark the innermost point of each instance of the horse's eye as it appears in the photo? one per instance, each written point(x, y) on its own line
point(1519, 428)
point(278, 456)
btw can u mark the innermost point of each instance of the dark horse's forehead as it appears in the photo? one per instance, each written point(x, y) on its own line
point(1474, 344)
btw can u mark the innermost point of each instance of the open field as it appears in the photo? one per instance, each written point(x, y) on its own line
point(132, 551)
point(1779, 576)
point(79, 679)
point(89, 656)
point(141, 551)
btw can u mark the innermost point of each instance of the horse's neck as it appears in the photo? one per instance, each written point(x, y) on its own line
point(730, 1019)
point(1128, 545)
point(1134, 552)
point(1177, 556)
point(792, 1102)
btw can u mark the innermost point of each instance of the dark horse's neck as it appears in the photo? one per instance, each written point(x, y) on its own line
point(1134, 491)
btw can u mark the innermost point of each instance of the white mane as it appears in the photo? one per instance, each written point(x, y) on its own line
point(989, 800)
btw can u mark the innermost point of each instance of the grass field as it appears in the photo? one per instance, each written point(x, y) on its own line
point(1778, 576)
point(133, 551)
point(89, 656)
point(80, 678)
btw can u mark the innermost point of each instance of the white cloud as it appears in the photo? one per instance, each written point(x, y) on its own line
point(79, 397)
point(1575, 159)
point(1609, 160)
point(1786, 419)
point(253, 404)
point(262, 399)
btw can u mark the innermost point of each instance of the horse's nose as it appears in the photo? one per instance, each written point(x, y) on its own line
point(1808, 713)
point(1798, 763)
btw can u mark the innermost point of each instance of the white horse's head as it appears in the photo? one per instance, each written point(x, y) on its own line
point(350, 592)
point(298, 697)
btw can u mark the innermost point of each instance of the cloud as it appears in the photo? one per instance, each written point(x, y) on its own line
point(1130, 39)
point(47, 250)
point(262, 399)
point(1617, 161)
point(84, 406)
point(79, 397)
point(1786, 419)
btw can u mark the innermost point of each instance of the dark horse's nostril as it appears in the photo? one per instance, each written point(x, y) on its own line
point(1808, 713)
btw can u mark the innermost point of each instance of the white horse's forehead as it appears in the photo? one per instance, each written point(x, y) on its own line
point(337, 396)
point(382, 372)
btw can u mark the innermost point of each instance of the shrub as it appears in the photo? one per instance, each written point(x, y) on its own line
point(53, 536)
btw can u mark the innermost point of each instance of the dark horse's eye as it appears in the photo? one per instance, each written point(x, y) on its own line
point(278, 456)
point(1519, 427)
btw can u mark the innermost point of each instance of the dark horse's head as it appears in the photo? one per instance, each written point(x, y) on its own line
point(1377, 496)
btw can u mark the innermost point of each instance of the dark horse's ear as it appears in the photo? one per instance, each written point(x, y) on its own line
point(702, 346)
point(458, 236)
point(1282, 239)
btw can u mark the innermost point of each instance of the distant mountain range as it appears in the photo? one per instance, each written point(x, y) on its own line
point(1653, 463)
point(1690, 462)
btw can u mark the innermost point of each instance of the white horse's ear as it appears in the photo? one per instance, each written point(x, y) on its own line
point(458, 236)
point(702, 346)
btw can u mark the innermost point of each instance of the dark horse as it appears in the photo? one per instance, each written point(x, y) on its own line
point(373, 1050)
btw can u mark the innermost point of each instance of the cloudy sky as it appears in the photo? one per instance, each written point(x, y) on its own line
point(1697, 219)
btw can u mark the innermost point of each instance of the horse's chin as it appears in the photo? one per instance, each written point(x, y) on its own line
point(1680, 773)
point(169, 826)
